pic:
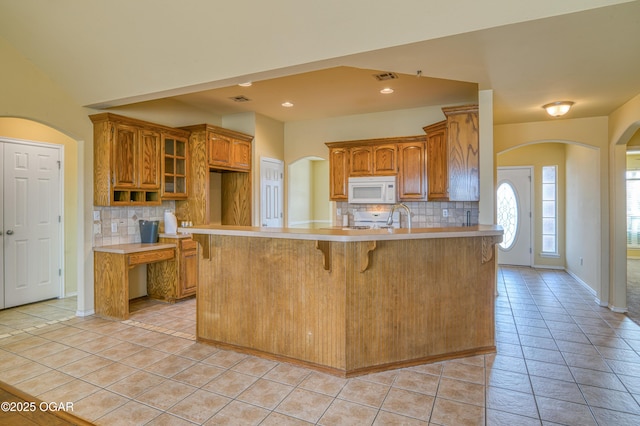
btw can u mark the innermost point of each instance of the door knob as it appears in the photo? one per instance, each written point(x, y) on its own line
point(9, 232)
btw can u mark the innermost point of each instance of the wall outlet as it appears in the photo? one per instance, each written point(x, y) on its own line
point(96, 215)
point(114, 226)
point(581, 261)
point(445, 213)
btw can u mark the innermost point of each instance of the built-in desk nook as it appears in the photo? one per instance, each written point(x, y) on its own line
point(171, 272)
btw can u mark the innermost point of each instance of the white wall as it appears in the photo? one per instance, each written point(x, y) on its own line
point(583, 239)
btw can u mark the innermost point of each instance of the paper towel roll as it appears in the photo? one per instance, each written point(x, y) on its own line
point(170, 223)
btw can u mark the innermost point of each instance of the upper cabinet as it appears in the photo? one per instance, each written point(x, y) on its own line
point(463, 153)
point(377, 157)
point(175, 155)
point(338, 173)
point(228, 153)
point(127, 160)
point(437, 162)
point(411, 176)
point(228, 150)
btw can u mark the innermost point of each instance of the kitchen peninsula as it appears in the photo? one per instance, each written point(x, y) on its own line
point(348, 302)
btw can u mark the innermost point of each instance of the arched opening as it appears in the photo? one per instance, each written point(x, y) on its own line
point(308, 193)
point(632, 187)
point(578, 210)
point(29, 130)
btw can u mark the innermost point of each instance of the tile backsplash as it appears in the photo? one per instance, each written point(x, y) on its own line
point(430, 214)
point(119, 225)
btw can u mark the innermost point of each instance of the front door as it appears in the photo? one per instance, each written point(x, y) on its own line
point(31, 223)
point(271, 183)
point(514, 215)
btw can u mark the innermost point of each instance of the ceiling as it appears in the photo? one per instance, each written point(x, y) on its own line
point(591, 57)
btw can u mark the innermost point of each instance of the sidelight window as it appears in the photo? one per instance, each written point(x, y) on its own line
point(549, 210)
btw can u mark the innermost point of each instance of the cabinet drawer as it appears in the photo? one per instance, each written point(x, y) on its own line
point(188, 245)
point(150, 256)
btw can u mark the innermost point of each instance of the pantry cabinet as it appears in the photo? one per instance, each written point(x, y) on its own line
point(127, 160)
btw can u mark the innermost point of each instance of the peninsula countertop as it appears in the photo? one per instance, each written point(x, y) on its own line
point(345, 234)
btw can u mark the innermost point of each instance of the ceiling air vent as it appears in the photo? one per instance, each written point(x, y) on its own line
point(240, 98)
point(385, 76)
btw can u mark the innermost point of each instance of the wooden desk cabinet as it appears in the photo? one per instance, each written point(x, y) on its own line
point(111, 265)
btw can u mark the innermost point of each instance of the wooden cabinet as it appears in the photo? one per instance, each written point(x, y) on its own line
point(411, 175)
point(437, 162)
point(374, 160)
point(463, 153)
point(385, 160)
point(188, 271)
point(127, 160)
point(338, 174)
point(361, 161)
point(175, 164)
point(374, 157)
point(177, 278)
point(227, 151)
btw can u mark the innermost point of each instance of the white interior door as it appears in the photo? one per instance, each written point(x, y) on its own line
point(514, 214)
point(271, 186)
point(31, 223)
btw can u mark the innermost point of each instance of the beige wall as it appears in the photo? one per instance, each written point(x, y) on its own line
point(30, 130)
point(31, 95)
point(539, 155)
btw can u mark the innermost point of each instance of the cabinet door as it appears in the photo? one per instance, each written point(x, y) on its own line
point(411, 182)
point(464, 162)
point(219, 150)
point(188, 268)
point(361, 161)
point(437, 162)
point(241, 155)
point(384, 160)
point(149, 168)
point(338, 174)
point(174, 167)
point(125, 156)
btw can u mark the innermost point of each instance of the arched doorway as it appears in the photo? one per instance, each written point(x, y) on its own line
point(308, 203)
point(579, 215)
point(24, 129)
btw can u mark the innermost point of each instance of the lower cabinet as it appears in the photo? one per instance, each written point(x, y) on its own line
point(176, 279)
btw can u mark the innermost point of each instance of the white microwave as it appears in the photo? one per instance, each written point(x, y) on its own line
point(372, 190)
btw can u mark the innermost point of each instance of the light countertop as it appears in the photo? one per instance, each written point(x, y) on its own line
point(346, 235)
point(133, 247)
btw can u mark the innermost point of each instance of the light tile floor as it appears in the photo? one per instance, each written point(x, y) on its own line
point(561, 360)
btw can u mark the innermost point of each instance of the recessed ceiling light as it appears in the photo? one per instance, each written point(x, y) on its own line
point(287, 104)
point(386, 90)
point(246, 84)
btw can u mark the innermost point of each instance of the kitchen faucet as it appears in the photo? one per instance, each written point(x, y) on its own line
point(393, 209)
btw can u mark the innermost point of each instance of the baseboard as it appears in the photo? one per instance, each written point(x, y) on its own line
point(555, 268)
point(582, 283)
point(618, 310)
point(85, 313)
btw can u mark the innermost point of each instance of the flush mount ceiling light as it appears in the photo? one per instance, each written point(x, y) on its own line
point(386, 91)
point(287, 104)
point(558, 109)
point(245, 84)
